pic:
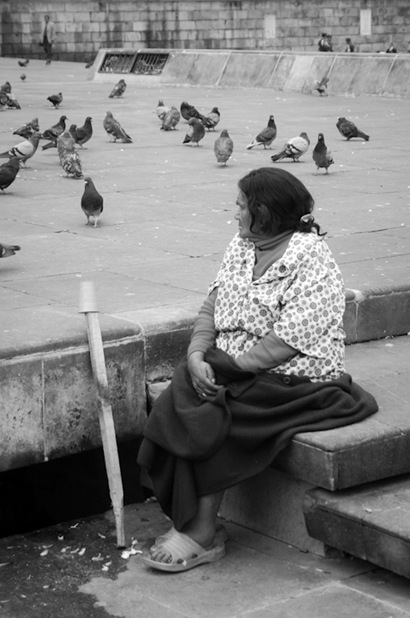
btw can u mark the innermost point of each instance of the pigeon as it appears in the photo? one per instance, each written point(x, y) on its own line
point(161, 109)
point(56, 99)
point(223, 147)
point(23, 77)
point(170, 119)
point(12, 101)
point(321, 155)
point(321, 86)
point(24, 150)
point(69, 158)
point(8, 250)
point(189, 111)
point(26, 130)
point(114, 129)
point(348, 129)
point(7, 99)
point(8, 172)
point(82, 134)
point(91, 202)
point(4, 100)
point(23, 63)
point(195, 133)
point(118, 90)
point(53, 132)
point(294, 148)
point(266, 136)
point(211, 120)
point(6, 87)
point(65, 141)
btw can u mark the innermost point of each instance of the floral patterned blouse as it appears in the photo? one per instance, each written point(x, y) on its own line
point(300, 296)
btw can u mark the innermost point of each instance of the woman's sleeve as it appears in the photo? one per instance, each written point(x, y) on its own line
point(268, 353)
point(204, 334)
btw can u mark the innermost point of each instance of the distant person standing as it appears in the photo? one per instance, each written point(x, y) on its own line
point(322, 43)
point(325, 43)
point(349, 46)
point(48, 38)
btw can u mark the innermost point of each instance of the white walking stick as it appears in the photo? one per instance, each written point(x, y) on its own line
point(88, 306)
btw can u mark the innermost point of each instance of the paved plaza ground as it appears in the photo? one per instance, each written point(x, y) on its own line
point(169, 208)
point(168, 215)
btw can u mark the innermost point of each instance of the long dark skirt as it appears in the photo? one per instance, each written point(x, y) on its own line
point(194, 447)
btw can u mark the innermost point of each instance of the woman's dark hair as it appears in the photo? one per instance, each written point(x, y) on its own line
point(278, 201)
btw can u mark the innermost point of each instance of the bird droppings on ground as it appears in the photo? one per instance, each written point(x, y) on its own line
point(35, 566)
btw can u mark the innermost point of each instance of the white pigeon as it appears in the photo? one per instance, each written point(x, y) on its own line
point(294, 148)
point(161, 109)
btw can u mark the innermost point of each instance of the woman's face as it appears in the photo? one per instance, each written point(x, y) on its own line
point(243, 216)
point(244, 219)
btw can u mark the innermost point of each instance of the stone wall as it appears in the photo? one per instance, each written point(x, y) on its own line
point(85, 27)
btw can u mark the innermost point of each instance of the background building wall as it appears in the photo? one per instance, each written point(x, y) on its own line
point(85, 27)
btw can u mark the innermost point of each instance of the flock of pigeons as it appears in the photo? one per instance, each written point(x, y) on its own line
point(294, 148)
point(66, 140)
point(198, 125)
point(297, 146)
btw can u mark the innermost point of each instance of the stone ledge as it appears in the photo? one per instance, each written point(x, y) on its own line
point(370, 522)
point(350, 74)
point(374, 314)
point(49, 404)
point(350, 456)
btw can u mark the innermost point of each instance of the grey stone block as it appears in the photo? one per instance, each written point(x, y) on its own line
point(22, 439)
point(370, 522)
point(244, 69)
point(71, 404)
point(50, 408)
point(271, 503)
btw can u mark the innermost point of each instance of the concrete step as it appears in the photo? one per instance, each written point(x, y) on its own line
point(377, 448)
point(374, 449)
point(370, 522)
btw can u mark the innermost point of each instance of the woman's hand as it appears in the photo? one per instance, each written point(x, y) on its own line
point(202, 375)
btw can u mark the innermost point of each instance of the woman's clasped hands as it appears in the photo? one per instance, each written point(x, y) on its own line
point(202, 375)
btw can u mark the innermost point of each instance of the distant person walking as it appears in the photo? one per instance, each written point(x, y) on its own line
point(349, 46)
point(48, 38)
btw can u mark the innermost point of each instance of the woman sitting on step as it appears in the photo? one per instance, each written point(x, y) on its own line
point(265, 361)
